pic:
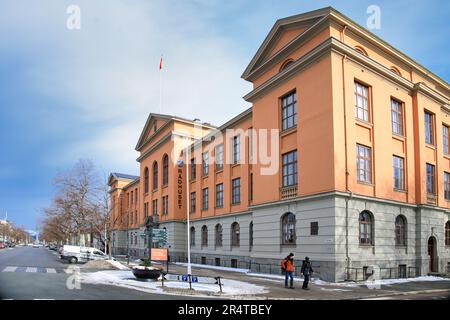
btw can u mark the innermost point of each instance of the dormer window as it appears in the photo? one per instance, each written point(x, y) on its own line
point(395, 70)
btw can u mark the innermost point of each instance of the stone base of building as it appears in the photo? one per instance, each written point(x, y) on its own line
point(335, 251)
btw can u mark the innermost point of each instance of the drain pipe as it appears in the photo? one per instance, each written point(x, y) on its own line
point(350, 194)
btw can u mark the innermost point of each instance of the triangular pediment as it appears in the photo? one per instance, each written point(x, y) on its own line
point(152, 125)
point(283, 32)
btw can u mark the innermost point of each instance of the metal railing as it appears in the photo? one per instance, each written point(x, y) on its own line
point(257, 267)
point(360, 274)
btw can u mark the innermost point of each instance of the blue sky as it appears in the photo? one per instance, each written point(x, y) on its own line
point(70, 94)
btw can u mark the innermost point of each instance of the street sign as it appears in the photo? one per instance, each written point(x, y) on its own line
point(159, 254)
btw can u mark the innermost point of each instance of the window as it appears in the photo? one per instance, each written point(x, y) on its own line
point(218, 235)
point(365, 228)
point(219, 157)
point(155, 207)
point(290, 169)
point(165, 205)
point(192, 237)
point(286, 64)
point(314, 228)
point(205, 163)
point(136, 195)
point(193, 199)
point(431, 179)
point(154, 127)
point(236, 149)
point(399, 173)
point(204, 236)
point(250, 235)
point(288, 234)
point(193, 169)
point(155, 176)
point(429, 128)
point(219, 195)
point(447, 233)
point(289, 111)
point(400, 231)
point(363, 163)
point(235, 232)
point(361, 102)
point(146, 209)
point(447, 186)
point(236, 191)
point(146, 180)
point(217, 262)
point(445, 139)
point(205, 198)
point(397, 117)
point(165, 170)
point(132, 197)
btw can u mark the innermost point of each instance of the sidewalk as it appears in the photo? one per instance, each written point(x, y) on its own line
point(319, 290)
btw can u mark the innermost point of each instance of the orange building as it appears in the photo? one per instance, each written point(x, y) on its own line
point(344, 157)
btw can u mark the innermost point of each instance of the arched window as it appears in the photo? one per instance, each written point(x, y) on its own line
point(288, 235)
point(365, 228)
point(165, 170)
point(235, 233)
point(218, 235)
point(192, 236)
point(361, 50)
point(204, 236)
point(286, 64)
point(395, 70)
point(400, 231)
point(447, 233)
point(155, 175)
point(250, 235)
point(146, 181)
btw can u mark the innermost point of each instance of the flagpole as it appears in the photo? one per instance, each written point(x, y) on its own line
point(160, 84)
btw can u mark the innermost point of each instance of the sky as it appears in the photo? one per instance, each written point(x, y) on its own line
point(86, 93)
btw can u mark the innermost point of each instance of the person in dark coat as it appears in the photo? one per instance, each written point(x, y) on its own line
point(306, 270)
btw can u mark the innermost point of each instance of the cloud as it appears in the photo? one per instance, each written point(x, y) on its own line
point(107, 72)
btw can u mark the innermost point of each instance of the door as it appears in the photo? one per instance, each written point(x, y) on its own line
point(432, 254)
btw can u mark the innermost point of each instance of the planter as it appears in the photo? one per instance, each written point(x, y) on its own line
point(142, 272)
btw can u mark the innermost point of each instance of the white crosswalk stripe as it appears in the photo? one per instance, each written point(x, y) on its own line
point(31, 269)
point(51, 270)
point(10, 269)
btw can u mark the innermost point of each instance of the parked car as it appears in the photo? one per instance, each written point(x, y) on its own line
point(75, 254)
point(53, 247)
point(2, 245)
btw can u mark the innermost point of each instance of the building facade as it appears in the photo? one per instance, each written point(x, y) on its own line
point(343, 157)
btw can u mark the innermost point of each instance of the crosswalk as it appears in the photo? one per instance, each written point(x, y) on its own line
point(35, 269)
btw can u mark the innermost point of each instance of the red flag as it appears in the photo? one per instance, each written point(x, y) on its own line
point(161, 63)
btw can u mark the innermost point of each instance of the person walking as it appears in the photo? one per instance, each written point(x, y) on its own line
point(306, 270)
point(287, 265)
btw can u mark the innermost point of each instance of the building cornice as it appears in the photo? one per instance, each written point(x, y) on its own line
point(334, 45)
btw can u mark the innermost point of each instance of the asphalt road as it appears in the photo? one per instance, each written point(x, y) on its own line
point(32, 280)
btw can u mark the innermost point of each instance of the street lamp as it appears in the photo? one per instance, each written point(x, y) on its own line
point(180, 165)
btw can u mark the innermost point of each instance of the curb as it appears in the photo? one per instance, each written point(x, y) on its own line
point(403, 293)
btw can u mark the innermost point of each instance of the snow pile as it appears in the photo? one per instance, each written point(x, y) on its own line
point(117, 265)
point(404, 280)
point(126, 279)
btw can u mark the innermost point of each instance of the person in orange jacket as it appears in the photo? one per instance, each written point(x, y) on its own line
point(287, 265)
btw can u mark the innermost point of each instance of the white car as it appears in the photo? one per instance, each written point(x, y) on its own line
point(76, 254)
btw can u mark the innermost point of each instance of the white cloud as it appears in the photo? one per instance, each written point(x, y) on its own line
point(107, 72)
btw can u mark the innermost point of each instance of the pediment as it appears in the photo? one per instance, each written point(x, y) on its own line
point(149, 128)
point(283, 32)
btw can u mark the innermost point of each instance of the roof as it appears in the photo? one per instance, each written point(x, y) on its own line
point(320, 16)
point(124, 176)
point(169, 118)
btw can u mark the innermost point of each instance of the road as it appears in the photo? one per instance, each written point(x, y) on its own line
point(28, 273)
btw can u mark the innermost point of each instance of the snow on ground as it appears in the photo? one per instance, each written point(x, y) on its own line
point(126, 279)
point(117, 265)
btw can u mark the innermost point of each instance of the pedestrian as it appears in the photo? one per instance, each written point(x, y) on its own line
point(307, 270)
point(287, 265)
